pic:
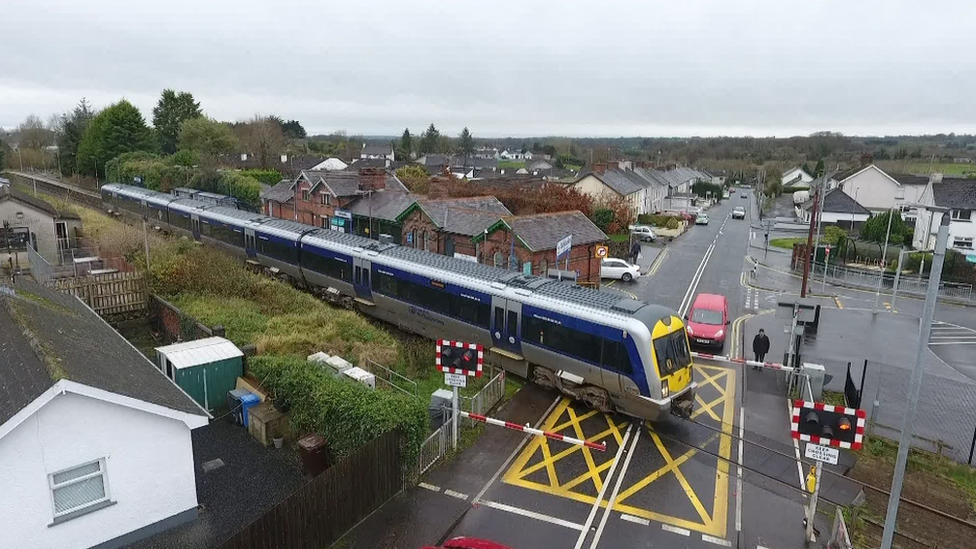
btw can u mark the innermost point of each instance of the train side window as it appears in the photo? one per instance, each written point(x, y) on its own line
point(366, 277)
point(512, 323)
point(499, 317)
point(615, 357)
point(359, 274)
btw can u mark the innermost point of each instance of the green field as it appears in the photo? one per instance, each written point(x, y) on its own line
point(916, 167)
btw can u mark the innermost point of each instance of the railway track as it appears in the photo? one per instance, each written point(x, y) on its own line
point(56, 188)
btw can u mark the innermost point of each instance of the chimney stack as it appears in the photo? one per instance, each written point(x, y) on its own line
point(599, 167)
point(372, 179)
point(867, 159)
point(935, 177)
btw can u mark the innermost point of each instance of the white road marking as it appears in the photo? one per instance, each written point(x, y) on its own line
point(716, 541)
point(517, 449)
point(686, 300)
point(454, 494)
point(531, 514)
point(430, 487)
point(635, 520)
point(603, 491)
point(616, 489)
point(761, 547)
point(738, 480)
point(675, 530)
point(796, 448)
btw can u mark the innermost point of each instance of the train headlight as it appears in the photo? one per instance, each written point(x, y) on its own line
point(664, 389)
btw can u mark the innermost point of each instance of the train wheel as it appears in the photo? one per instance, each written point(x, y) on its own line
point(543, 377)
point(597, 398)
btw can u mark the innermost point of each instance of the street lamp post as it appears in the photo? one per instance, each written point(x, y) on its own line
point(854, 208)
point(884, 252)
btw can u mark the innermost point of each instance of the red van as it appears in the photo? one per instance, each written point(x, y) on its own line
point(707, 320)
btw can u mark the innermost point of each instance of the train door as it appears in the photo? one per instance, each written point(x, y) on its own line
point(249, 243)
point(195, 226)
point(506, 324)
point(361, 273)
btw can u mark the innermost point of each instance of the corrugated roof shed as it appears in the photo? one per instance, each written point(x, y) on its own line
point(199, 351)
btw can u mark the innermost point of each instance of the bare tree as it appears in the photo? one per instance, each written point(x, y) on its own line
point(33, 134)
point(263, 138)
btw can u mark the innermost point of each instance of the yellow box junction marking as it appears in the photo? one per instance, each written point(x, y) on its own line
point(564, 417)
point(720, 409)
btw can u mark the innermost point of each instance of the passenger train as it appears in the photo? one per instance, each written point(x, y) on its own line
point(614, 353)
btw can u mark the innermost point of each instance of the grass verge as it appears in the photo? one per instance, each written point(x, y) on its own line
point(786, 243)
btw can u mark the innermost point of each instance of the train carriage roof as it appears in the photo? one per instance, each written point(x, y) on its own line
point(282, 228)
point(188, 205)
point(324, 237)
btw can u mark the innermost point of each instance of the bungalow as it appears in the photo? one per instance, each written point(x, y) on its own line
point(796, 178)
point(25, 219)
point(94, 440)
point(838, 209)
point(377, 151)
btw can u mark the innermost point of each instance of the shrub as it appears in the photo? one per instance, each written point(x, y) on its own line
point(673, 224)
point(603, 218)
point(347, 414)
point(244, 188)
point(268, 177)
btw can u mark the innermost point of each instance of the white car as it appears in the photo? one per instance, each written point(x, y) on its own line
point(702, 219)
point(618, 269)
point(644, 233)
point(738, 212)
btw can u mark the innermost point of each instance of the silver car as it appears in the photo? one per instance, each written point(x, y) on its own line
point(738, 212)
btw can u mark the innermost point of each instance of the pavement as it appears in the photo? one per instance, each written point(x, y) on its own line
point(678, 483)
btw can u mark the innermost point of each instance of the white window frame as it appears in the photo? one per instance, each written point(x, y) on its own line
point(956, 240)
point(81, 508)
point(956, 215)
point(306, 195)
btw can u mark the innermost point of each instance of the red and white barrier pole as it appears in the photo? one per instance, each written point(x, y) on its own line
point(724, 358)
point(526, 429)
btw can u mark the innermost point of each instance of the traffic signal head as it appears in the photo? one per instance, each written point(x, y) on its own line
point(826, 424)
point(459, 358)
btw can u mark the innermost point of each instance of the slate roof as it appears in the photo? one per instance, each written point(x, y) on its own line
point(9, 193)
point(386, 205)
point(618, 181)
point(282, 191)
point(368, 163)
point(956, 193)
point(542, 231)
point(377, 149)
point(654, 177)
point(467, 216)
point(837, 201)
point(909, 179)
point(46, 335)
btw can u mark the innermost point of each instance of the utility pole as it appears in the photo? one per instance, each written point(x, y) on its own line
point(809, 250)
point(915, 385)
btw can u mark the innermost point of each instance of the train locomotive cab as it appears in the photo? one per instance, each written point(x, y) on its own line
point(668, 365)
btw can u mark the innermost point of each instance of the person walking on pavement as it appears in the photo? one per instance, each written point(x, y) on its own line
point(760, 346)
point(635, 252)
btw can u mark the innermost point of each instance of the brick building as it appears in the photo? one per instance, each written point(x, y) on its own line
point(322, 197)
point(533, 240)
point(447, 226)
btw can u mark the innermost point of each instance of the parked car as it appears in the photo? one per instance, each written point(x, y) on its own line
point(707, 319)
point(738, 212)
point(702, 219)
point(469, 543)
point(644, 233)
point(618, 269)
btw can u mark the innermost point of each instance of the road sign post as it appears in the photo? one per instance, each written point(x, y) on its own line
point(823, 286)
point(812, 509)
point(458, 360)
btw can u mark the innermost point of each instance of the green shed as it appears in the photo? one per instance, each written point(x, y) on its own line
point(205, 368)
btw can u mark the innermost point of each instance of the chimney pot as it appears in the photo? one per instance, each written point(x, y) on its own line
point(600, 167)
point(935, 177)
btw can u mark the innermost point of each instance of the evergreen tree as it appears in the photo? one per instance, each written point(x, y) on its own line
point(170, 113)
point(118, 129)
point(465, 146)
point(429, 141)
point(73, 126)
point(405, 148)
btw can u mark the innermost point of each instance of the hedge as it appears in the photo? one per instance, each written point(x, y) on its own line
point(268, 177)
point(657, 220)
point(346, 413)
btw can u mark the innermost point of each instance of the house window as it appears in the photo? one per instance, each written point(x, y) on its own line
point(306, 195)
point(962, 215)
point(498, 259)
point(78, 489)
point(962, 243)
point(325, 198)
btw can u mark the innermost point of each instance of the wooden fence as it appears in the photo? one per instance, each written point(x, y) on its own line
point(320, 512)
point(110, 293)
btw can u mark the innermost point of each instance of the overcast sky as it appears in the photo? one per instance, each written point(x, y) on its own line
point(521, 68)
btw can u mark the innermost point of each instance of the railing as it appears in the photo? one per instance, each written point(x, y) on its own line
point(391, 378)
point(913, 285)
point(434, 448)
point(40, 269)
point(486, 398)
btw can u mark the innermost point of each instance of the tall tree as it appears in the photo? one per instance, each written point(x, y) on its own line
point(33, 134)
point(169, 113)
point(293, 130)
point(207, 137)
point(429, 141)
point(819, 170)
point(405, 149)
point(118, 129)
point(262, 137)
point(73, 126)
point(465, 146)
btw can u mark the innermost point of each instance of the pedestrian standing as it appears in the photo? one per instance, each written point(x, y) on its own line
point(635, 252)
point(760, 346)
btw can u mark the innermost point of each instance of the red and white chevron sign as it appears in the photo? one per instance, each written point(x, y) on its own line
point(459, 347)
point(860, 415)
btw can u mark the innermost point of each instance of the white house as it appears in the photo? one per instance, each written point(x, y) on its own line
point(879, 191)
point(47, 229)
point(959, 195)
point(331, 164)
point(94, 441)
point(512, 154)
point(796, 177)
point(606, 184)
point(382, 152)
point(838, 209)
